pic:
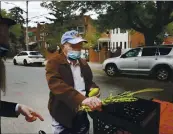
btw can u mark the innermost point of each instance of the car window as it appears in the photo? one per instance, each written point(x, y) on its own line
point(35, 53)
point(149, 51)
point(24, 53)
point(132, 53)
point(19, 54)
point(164, 51)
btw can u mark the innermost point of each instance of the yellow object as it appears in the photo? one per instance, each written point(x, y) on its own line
point(127, 96)
point(94, 92)
point(148, 90)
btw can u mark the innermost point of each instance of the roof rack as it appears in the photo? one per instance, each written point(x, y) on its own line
point(161, 45)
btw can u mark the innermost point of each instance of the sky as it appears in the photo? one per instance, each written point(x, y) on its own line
point(36, 13)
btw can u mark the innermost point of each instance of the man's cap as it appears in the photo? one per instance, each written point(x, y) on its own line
point(72, 37)
point(7, 21)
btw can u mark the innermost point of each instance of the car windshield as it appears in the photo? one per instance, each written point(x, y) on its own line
point(35, 53)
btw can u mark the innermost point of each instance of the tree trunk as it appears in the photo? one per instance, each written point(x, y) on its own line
point(149, 38)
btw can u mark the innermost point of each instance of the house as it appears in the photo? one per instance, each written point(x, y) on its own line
point(119, 38)
point(36, 37)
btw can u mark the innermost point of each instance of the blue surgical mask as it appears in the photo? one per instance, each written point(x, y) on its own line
point(3, 50)
point(74, 55)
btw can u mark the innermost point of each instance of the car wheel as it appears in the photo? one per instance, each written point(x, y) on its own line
point(163, 74)
point(111, 70)
point(25, 63)
point(14, 62)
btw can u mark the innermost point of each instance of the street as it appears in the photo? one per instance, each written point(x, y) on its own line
point(27, 85)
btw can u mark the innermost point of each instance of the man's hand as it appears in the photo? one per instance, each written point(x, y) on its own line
point(29, 113)
point(93, 102)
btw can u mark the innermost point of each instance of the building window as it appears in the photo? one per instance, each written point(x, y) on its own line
point(81, 29)
point(125, 45)
point(117, 30)
point(35, 38)
point(113, 45)
point(116, 44)
point(121, 44)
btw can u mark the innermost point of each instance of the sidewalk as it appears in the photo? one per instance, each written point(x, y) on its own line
point(95, 66)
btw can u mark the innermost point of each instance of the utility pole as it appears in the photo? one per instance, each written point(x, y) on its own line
point(27, 46)
point(0, 7)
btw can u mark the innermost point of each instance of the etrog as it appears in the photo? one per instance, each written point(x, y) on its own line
point(93, 92)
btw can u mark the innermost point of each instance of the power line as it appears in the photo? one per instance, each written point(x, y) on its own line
point(38, 16)
point(25, 11)
point(14, 5)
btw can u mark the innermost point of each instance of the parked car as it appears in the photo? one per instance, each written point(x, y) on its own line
point(28, 57)
point(154, 61)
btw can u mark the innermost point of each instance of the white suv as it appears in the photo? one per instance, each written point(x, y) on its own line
point(28, 57)
point(152, 60)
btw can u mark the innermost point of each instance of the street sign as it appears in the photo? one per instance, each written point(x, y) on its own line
point(30, 34)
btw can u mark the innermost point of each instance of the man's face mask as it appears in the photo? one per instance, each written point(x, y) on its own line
point(3, 50)
point(73, 55)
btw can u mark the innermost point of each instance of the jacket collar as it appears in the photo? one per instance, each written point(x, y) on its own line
point(63, 59)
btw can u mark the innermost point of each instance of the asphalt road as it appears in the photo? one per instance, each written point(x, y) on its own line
point(28, 85)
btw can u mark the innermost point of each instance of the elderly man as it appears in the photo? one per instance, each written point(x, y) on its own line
point(70, 80)
point(10, 109)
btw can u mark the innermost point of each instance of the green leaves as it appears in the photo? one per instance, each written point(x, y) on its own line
point(127, 96)
point(16, 15)
point(16, 30)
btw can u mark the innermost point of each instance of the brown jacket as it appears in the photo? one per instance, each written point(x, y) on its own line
point(64, 100)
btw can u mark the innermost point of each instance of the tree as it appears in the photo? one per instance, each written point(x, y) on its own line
point(147, 17)
point(62, 13)
point(16, 14)
point(169, 28)
point(15, 32)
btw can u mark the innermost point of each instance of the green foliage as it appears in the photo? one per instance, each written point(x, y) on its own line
point(16, 30)
point(147, 17)
point(169, 28)
point(16, 33)
point(63, 13)
point(16, 14)
point(92, 39)
point(5, 14)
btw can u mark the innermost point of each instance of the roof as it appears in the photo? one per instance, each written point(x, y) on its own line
point(29, 51)
point(31, 43)
point(7, 21)
point(104, 39)
point(157, 46)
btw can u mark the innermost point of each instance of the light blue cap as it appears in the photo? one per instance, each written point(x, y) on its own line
point(71, 37)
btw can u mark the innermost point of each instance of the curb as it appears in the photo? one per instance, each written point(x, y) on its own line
point(93, 70)
point(98, 71)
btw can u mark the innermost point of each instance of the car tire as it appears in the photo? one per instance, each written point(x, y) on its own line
point(14, 62)
point(111, 70)
point(163, 73)
point(25, 63)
